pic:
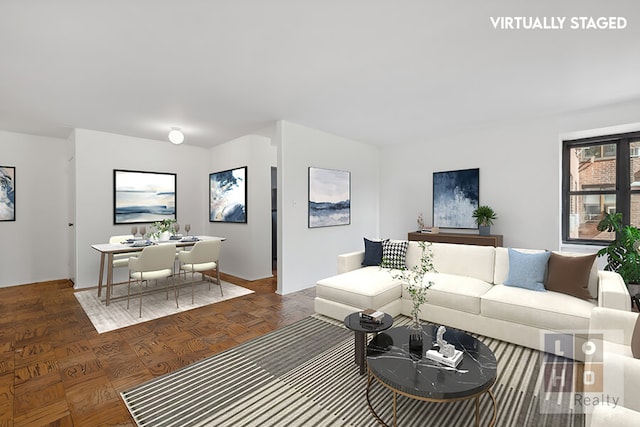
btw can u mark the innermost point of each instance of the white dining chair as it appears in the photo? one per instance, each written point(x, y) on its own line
point(204, 256)
point(153, 263)
point(121, 260)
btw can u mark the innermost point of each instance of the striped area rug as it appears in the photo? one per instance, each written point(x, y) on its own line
point(304, 375)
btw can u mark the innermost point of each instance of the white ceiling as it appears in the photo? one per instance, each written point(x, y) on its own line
point(378, 71)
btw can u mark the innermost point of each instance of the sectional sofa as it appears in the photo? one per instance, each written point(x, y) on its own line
point(469, 291)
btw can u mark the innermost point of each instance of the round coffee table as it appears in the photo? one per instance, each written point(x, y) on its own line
point(361, 329)
point(391, 364)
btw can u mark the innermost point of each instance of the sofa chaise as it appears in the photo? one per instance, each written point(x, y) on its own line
point(469, 292)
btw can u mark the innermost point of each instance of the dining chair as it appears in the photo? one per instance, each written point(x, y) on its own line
point(202, 257)
point(153, 263)
point(121, 260)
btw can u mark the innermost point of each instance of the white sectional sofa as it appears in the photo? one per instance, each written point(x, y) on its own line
point(469, 294)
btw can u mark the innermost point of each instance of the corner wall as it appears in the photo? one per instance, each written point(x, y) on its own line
point(308, 254)
point(35, 246)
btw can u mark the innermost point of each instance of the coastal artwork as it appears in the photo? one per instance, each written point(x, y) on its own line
point(141, 197)
point(329, 197)
point(455, 197)
point(7, 193)
point(228, 196)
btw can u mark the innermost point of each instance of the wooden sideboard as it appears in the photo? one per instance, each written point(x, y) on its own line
point(463, 239)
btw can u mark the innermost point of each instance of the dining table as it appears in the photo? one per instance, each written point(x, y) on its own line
point(108, 250)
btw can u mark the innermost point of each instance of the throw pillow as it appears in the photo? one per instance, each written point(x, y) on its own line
point(372, 252)
point(527, 270)
point(635, 340)
point(394, 254)
point(570, 274)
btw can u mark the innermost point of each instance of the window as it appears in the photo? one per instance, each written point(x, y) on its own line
point(599, 175)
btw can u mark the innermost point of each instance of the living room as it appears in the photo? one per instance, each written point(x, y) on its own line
point(498, 100)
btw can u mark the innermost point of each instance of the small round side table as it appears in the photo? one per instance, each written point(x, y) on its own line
point(361, 329)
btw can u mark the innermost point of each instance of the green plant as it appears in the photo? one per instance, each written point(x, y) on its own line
point(622, 253)
point(484, 216)
point(162, 226)
point(414, 278)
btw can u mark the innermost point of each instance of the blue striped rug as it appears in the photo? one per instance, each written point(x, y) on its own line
point(304, 375)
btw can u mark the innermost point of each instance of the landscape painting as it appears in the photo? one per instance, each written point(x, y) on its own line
point(228, 196)
point(141, 197)
point(329, 197)
point(7, 193)
point(455, 197)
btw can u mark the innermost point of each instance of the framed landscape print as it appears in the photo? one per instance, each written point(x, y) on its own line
point(329, 197)
point(141, 197)
point(455, 197)
point(7, 193)
point(228, 196)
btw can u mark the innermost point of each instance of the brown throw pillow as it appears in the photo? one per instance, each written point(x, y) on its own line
point(635, 340)
point(570, 274)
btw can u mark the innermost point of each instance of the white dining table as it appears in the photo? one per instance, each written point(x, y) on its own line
point(108, 250)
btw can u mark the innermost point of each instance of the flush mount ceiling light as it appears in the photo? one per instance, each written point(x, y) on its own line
point(176, 136)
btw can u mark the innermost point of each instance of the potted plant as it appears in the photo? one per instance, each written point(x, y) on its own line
point(162, 229)
point(622, 253)
point(484, 216)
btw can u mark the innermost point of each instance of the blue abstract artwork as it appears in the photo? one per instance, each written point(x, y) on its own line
point(141, 197)
point(228, 196)
point(455, 197)
point(329, 197)
point(7, 193)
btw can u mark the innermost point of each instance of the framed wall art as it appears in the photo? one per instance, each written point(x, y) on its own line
point(329, 197)
point(141, 197)
point(455, 197)
point(228, 196)
point(7, 193)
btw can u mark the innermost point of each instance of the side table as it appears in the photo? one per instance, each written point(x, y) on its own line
point(361, 329)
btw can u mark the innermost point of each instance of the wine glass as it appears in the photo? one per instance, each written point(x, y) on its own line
point(187, 228)
point(134, 231)
point(143, 231)
point(176, 228)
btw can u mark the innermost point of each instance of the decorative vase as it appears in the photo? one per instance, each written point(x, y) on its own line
point(164, 236)
point(415, 337)
point(485, 230)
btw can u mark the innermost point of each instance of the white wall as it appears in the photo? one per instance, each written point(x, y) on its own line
point(34, 247)
point(307, 255)
point(246, 252)
point(519, 174)
point(97, 154)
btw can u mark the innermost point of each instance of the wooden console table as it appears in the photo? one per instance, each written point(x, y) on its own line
point(459, 238)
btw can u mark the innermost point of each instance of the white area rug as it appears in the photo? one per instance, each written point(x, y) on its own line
point(115, 316)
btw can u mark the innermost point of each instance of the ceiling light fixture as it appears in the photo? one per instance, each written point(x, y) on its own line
point(176, 136)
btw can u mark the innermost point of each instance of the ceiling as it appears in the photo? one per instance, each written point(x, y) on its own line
point(377, 71)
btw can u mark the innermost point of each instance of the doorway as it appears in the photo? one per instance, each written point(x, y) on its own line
point(274, 220)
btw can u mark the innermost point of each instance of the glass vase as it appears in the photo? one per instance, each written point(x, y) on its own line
point(415, 337)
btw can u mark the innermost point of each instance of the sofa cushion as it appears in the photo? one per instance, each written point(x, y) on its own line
point(462, 260)
point(367, 287)
point(372, 252)
point(570, 274)
point(394, 254)
point(527, 270)
point(453, 291)
point(543, 310)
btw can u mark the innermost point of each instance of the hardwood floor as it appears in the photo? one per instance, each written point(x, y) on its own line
point(56, 370)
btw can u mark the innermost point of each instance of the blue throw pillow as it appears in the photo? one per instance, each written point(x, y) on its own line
point(372, 252)
point(527, 270)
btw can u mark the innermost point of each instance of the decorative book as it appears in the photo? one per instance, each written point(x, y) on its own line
point(448, 361)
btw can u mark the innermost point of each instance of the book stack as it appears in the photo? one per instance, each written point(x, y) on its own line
point(371, 316)
point(432, 230)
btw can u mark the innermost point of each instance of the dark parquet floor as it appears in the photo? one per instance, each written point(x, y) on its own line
point(56, 370)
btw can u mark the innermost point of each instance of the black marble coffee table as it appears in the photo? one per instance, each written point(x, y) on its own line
point(390, 363)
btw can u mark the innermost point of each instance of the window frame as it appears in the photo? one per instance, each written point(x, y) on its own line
point(622, 190)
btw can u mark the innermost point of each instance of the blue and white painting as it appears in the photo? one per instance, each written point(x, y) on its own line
point(7, 193)
point(228, 196)
point(329, 197)
point(143, 196)
point(455, 197)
